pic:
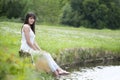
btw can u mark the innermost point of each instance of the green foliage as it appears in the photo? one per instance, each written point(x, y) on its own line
point(92, 13)
point(82, 55)
point(53, 39)
point(46, 10)
point(12, 8)
point(12, 67)
point(88, 13)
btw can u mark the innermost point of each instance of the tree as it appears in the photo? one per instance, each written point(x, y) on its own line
point(46, 10)
point(92, 13)
point(12, 8)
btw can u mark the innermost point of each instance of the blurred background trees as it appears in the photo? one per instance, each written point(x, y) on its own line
point(12, 8)
point(92, 13)
point(88, 13)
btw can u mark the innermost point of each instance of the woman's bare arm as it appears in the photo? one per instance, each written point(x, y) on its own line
point(26, 29)
point(37, 46)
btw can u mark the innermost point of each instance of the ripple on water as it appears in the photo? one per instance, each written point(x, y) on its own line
point(95, 73)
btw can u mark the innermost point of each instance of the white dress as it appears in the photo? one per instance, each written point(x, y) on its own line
point(26, 48)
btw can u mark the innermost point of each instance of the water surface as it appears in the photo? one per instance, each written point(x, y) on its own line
point(109, 71)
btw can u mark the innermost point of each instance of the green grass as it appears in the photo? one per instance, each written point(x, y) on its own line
point(52, 39)
point(55, 38)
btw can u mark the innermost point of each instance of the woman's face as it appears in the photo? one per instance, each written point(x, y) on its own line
point(31, 20)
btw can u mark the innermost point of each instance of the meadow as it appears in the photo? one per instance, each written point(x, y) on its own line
point(52, 39)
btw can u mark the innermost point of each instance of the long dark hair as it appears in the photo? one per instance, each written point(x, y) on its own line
point(26, 20)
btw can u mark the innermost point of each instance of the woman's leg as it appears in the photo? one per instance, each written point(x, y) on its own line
point(51, 62)
point(53, 65)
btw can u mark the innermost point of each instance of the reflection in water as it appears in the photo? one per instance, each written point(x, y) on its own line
point(109, 71)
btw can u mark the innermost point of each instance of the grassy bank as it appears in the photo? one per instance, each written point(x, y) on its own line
point(53, 39)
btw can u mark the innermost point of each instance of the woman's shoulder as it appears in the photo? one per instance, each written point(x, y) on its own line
point(26, 26)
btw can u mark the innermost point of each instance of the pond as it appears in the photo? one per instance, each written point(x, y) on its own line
point(93, 71)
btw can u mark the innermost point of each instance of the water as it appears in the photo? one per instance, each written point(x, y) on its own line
point(109, 71)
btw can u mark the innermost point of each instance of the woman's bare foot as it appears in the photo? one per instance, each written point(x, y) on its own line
point(63, 72)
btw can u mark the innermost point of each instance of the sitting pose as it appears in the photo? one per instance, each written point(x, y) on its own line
point(28, 44)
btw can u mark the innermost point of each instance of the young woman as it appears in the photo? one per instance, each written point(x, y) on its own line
point(28, 44)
